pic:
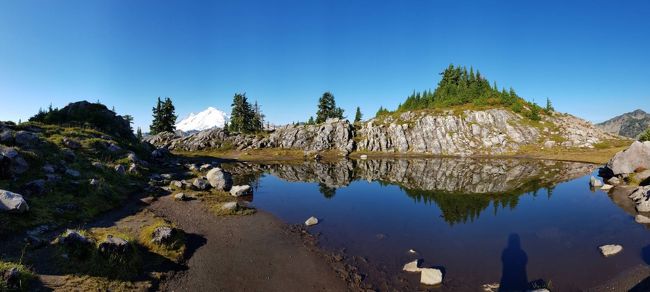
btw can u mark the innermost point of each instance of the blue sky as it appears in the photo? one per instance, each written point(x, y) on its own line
point(592, 58)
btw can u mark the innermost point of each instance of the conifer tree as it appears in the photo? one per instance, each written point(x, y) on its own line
point(164, 117)
point(549, 105)
point(327, 108)
point(311, 121)
point(138, 134)
point(128, 119)
point(258, 118)
point(358, 116)
point(156, 123)
point(245, 118)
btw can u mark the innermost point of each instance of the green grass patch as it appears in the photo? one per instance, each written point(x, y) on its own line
point(174, 250)
point(25, 276)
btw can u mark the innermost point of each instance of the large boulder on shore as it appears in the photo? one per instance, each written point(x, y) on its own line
point(630, 160)
point(12, 202)
point(219, 179)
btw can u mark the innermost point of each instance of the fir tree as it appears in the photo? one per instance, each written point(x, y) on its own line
point(164, 117)
point(311, 121)
point(358, 116)
point(138, 134)
point(157, 118)
point(327, 108)
point(128, 119)
point(245, 118)
point(549, 105)
point(258, 118)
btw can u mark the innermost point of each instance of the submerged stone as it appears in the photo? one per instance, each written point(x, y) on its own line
point(430, 276)
point(311, 221)
point(412, 267)
point(610, 249)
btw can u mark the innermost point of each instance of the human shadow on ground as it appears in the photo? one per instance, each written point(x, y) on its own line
point(645, 284)
point(514, 259)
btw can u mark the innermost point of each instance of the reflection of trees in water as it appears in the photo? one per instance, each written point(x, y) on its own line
point(461, 208)
point(327, 192)
point(461, 188)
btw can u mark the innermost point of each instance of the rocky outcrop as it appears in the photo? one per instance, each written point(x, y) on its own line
point(633, 159)
point(494, 131)
point(219, 179)
point(471, 132)
point(334, 134)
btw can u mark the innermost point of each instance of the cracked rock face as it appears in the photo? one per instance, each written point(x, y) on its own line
point(334, 134)
point(472, 132)
point(493, 131)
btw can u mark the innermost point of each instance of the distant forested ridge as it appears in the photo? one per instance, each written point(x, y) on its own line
point(459, 86)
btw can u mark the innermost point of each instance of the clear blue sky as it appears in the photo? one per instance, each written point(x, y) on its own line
point(592, 58)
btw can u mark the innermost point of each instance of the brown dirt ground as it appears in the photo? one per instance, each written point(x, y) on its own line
point(244, 253)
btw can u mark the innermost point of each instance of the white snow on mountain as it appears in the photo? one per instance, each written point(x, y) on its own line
point(207, 119)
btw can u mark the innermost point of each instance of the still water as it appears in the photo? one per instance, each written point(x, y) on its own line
point(513, 222)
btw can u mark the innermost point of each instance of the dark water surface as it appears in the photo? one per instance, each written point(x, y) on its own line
point(484, 221)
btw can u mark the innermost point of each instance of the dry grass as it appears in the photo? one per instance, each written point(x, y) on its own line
point(268, 154)
point(596, 156)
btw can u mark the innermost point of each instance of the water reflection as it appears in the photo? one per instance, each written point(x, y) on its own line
point(461, 188)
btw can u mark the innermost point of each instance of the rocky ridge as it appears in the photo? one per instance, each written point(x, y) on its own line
point(470, 132)
point(630, 124)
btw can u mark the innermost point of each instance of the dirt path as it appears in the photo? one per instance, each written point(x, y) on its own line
point(243, 253)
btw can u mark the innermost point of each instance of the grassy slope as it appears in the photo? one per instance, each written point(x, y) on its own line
point(71, 199)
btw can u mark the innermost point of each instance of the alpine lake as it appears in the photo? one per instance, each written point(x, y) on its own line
point(516, 223)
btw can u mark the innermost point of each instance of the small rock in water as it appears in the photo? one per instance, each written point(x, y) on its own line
point(412, 267)
point(363, 156)
point(311, 221)
point(594, 182)
point(493, 287)
point(606, 187)
point(430, 276)
point(642, 219)
point(412, 251)
point(610, 249)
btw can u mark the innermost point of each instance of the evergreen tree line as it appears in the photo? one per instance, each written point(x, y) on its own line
point(164, 117)
point(87, 115)
point(245, 118)
point(459, 86)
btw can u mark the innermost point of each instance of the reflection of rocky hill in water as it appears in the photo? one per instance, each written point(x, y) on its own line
point(462, 188)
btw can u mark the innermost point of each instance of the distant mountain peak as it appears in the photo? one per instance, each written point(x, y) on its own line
point(209, 118)
point(630, 124)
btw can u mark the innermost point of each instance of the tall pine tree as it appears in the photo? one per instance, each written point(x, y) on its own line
point(327, 108)
point(164, 117)
point(245, 118)
point(155, 124)
point(358, 116)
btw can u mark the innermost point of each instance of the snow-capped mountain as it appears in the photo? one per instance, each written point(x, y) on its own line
point(209, 118)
